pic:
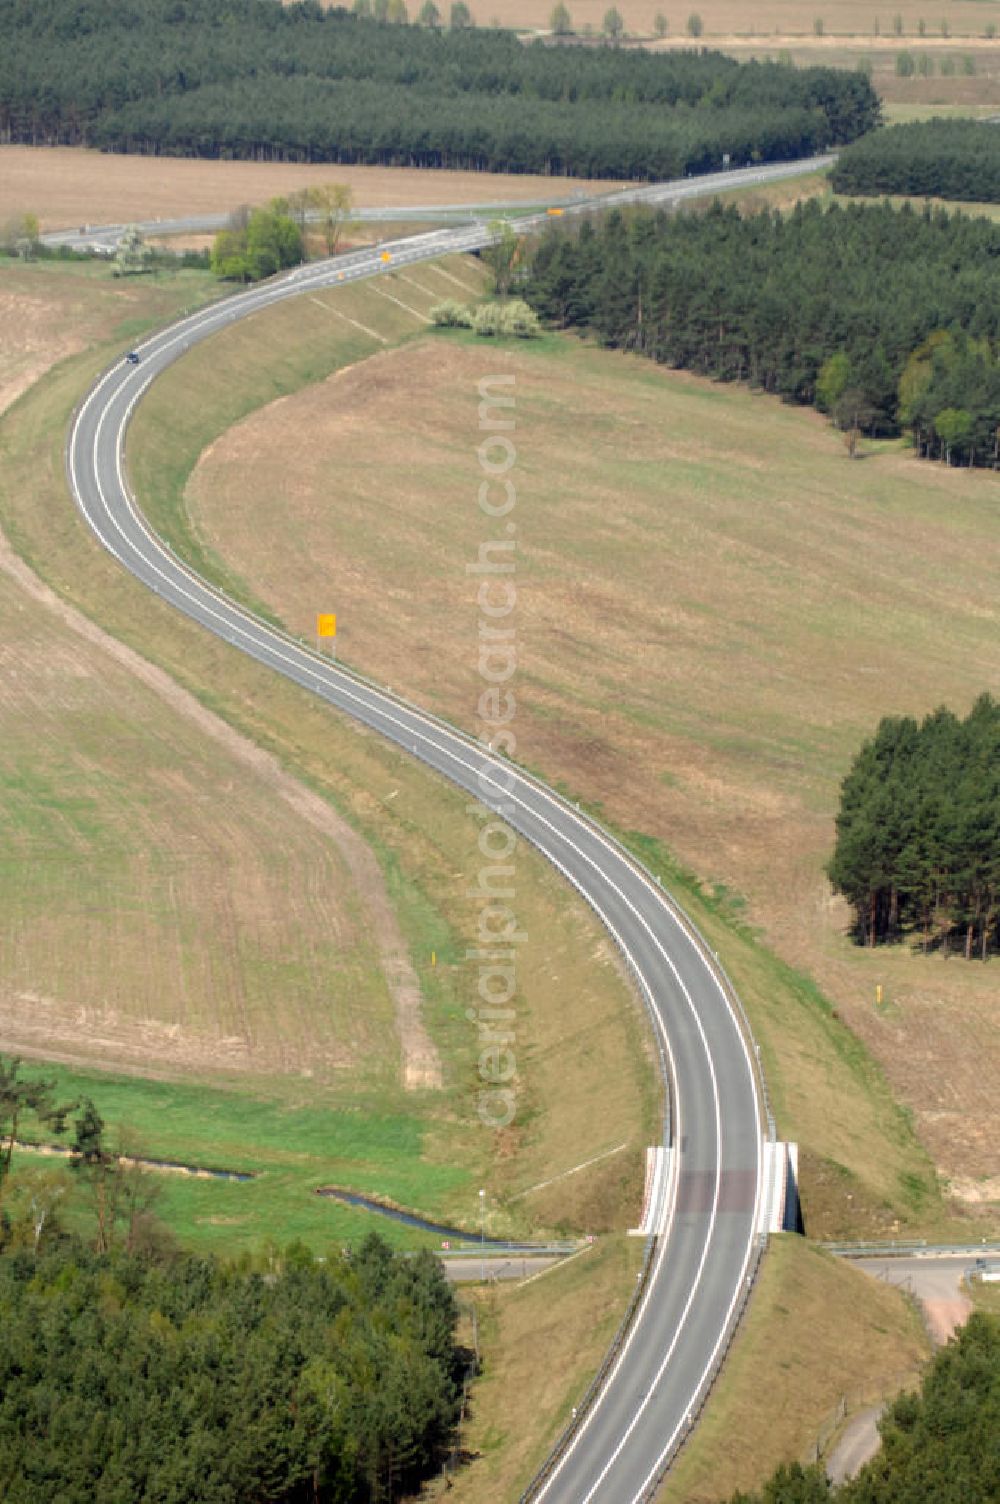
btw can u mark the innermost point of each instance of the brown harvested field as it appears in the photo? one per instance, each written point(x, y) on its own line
point(715, 606)
point(221, 890)
point(725, 20)
point(49, 311)
point(67, 186)
point(780, 1386)
point(171, 901)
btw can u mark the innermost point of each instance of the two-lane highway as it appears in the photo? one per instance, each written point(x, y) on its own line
point(707, 1240)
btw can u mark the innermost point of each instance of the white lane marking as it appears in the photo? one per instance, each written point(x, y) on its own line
point(267, 641)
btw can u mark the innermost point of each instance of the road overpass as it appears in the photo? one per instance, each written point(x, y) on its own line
point(708, 1224)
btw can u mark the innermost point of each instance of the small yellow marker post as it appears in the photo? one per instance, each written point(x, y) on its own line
point(555, 212)
point(326, 626)
point(386, 256)
point(878, 995)
point(434, 958)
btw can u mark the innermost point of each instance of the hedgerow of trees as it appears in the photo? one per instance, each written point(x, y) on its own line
point(956, 159)
point(301, 83)
point(257, 243)
point(918, 832)
point(129, 1370)
point(938, 1446)
point(886, 318)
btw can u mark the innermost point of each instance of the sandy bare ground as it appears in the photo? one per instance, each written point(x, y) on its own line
point(858, 1444)
point(67, 186)
point(935, 1282)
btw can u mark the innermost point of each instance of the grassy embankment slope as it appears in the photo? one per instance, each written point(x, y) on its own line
point(350, 1121)
point(839, 1095)
point(519, 1408)
point(776, 1389)
point(781, 599)
point(794, 1350)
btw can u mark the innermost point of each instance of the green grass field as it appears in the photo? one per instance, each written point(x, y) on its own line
point(809, 185)
point(292, 1139)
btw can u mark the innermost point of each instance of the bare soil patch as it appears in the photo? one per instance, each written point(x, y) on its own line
point(715, 606)
point(67, 186)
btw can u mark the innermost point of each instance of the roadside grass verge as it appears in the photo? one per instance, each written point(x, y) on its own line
point(541, 1343)
point(985, 1297)
point(815, 1329)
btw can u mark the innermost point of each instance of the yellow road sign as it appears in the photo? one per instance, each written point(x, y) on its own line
point(326, 624)
point(386, 256)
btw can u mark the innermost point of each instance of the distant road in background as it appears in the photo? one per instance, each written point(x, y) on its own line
point(707, 1219)
point(104, 238)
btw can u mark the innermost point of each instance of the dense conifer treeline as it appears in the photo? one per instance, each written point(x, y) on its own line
point(886, 318)
point(938, 1446)
point(299, 83)
point(918, 832)
point(126, 1378)
point(957, 159)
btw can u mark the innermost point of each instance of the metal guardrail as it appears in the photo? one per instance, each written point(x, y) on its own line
point(513, 1251)
point(290, 287)
point(879, 1391)
point(915, 1248)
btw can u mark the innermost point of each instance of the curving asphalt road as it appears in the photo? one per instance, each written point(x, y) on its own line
point(706, 1245)
point(104, 239)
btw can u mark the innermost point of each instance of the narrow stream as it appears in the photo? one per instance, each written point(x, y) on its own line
point(458, 1235)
